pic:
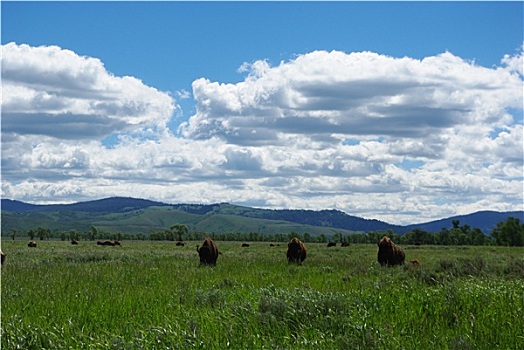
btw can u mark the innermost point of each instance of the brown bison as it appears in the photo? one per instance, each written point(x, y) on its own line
point(296, 251)
point(332, 244)
point(389, 254)
point(180, 244)
point(3, 256)
point(74, 242)
point(110, 243)
point(208, 252)
point(245, 245)
point(344, 244)
point(31, 244)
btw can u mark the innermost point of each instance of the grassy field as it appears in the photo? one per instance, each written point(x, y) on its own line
point(153, 295)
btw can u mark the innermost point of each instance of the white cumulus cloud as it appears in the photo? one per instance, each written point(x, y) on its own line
point(52, 91)
point(322, 95)
point(399, 139)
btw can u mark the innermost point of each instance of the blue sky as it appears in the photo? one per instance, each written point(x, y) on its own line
point(170, 44)
point(268, 134)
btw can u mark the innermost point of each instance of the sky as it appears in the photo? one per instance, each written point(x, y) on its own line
point(404, 112)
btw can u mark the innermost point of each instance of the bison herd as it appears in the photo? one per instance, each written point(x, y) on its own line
point(389, 254)
point(110, 243)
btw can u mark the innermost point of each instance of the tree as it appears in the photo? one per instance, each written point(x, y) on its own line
point(43, 233)
point(509, 232)
point(444, 237)
point(307, 237)
point(73, 234)
point(476, 237)
point(416, 236)
point(337, 237)
point(93, 233)
point(179, 230)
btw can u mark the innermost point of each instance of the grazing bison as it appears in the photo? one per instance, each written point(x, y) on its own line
point(3, 256)
point(245, 245)
point(180, 244)
point(208, 252)
point(331, 244)
point(389, 254)
point(296, 251)
point(344, 244)
point(74, 242)
point(118, 243)
point(31, 244)
point(111, 243)
point(271, 245)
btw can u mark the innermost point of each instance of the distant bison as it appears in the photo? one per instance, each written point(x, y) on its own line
point(344, 244)
point(271, 245)
point(110, 243)
point(296, 251)
point(117, 243)
point(31, 244)
point(208, 252)
point(389, 254)
point(74, 242)
point(3, 256)
point(331, 244)
point(180, 244)
point(245, 245)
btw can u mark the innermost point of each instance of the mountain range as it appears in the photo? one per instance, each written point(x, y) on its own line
point(132, 215)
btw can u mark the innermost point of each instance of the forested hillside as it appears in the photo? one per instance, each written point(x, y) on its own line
point(131, 215)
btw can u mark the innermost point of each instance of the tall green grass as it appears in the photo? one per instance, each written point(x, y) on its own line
point(155, 296)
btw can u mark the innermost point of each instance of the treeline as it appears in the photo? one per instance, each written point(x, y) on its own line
point(506, 233)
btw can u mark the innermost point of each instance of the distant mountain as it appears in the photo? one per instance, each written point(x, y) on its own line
point(486, 221)
point(107, 205)
point(131, 215)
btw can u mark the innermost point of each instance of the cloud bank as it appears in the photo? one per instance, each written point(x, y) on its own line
point(55, 92)
point(397, 139)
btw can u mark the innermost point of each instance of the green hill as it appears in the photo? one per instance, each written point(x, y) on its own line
point(156, 219)
point(131, 215)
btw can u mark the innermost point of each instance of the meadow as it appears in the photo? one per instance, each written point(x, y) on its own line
point(154, 295)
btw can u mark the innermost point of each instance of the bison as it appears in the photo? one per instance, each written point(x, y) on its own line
point(389, 254)
point(180, 244)
point(31, 244)
point(208, 252)
point(245, 245)
point(344, 244)
point(74, 242)
point(110, 243)
point(296, 251)
point(3, 256)
point(332, 244)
